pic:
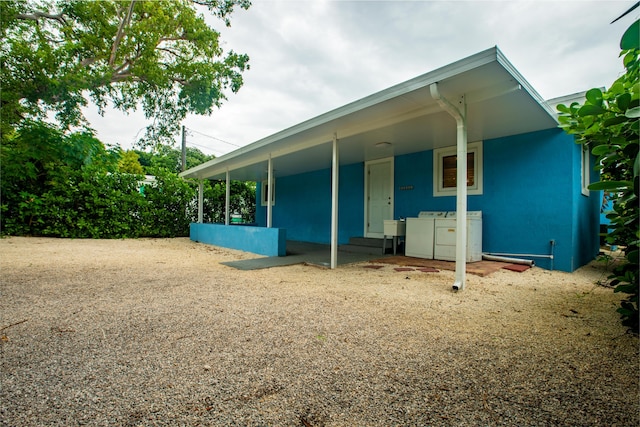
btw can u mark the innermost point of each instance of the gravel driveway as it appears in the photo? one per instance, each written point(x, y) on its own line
point(158, 332)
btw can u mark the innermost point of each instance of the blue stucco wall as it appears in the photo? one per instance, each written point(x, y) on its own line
point(303, 205)
point(259, 240)
point(532, 195)
point(586, 214)
point(528, 200)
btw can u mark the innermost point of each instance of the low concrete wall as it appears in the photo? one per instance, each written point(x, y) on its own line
point(259, 240)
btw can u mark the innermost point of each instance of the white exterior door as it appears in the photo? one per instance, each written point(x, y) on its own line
point(378, 196)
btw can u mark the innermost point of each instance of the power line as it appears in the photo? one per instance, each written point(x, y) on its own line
point(205, 147)
point(194, 141)
point(213, 137)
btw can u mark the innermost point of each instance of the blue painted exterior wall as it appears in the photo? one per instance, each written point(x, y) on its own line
point(586, 215)
point(303, 205)
point(531, 196)
point(259, 240)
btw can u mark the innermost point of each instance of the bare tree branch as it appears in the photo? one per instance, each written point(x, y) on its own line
point(170, 51)
point(36, 16)
point(125, 76)
point(120, 33)
point(178, 80)
point(172, 39)
point(14, 324)
point(87, 61)
point(124, 67)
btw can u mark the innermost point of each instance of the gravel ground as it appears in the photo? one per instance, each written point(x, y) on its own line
point(157, 332)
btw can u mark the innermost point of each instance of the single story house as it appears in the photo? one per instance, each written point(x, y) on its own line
point(412, 148)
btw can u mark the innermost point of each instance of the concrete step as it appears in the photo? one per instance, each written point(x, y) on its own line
point(369, 242)
point(367, 245)
point(361, 249)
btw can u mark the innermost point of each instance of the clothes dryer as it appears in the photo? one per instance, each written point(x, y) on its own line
point(445, 231)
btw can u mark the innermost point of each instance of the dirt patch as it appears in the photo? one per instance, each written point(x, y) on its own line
point(158, 332)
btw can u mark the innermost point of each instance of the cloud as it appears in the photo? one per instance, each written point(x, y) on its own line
point(308, 57)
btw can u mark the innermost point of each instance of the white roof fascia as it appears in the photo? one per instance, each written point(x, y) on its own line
point(521, 80)
point(276, 146)
point(220, 164)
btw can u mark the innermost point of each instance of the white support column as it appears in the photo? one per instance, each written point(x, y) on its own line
point(335, 165)
point(200, 201)
point(458, 112)
point(227, 198)
point(269, 192)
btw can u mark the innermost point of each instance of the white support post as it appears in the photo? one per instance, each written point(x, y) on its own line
point(335, 165)
point(269, 192)
point(200, 201)
point(227, 198)
point(459, 113)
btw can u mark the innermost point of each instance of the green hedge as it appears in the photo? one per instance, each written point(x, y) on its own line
point(97, 204)
point(60, 184)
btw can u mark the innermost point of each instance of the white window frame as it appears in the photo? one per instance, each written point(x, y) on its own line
point(263, 193)
point(585, 171)
point(440, 153)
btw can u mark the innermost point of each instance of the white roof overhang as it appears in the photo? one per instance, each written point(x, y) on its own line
point(499, 100)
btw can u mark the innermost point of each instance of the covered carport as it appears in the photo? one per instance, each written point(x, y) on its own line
point(480, 97)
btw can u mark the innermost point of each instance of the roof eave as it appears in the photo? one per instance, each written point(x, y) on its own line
point(260, 150)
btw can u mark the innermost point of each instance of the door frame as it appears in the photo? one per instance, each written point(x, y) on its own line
point(367, 164)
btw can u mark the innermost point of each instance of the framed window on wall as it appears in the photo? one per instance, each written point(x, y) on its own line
point(264, 189)
point(585, 170)
point(445, 170)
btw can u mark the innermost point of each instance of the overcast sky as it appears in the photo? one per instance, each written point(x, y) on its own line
point(308, 57)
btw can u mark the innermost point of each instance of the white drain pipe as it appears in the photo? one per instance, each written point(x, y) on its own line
point(460, 114)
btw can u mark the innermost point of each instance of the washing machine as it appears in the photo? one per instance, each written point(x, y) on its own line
point(444, 237)
point(420, 233)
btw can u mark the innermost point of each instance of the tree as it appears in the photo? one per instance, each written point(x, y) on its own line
point(129, 163)
point(169, 158)
point(161, 54)
point(196, 157)
point(144, 158)
point(40, 159)
point(608, 124)
point(242, 200)
point(36, 149)
point(71, 185)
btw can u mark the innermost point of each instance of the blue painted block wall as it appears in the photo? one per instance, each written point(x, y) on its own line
point(532, 195)
point(258, 240)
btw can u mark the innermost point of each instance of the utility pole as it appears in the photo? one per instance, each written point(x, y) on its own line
point(184, 148)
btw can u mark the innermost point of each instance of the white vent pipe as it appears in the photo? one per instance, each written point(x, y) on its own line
point(500, 258)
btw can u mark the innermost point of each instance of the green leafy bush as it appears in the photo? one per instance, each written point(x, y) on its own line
point(61, 185)
point(78, 204)
point(242, 201)
point(169, 206)
point(608, 124)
